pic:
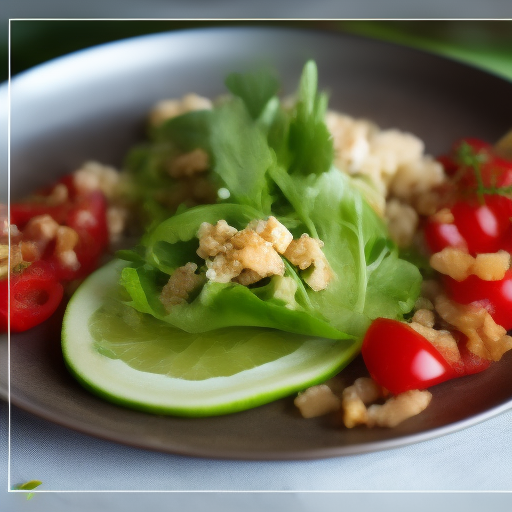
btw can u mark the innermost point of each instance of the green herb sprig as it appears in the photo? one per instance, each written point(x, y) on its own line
point(468, 158)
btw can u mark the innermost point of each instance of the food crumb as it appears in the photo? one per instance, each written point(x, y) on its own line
point(459, 265)
point(181, 284)
point(317, 401)
point(398, 408)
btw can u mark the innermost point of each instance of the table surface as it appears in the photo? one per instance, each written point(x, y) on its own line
point(476, 462)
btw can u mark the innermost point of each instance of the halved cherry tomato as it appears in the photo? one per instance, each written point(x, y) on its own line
point(37, 291)
point(440, 235)
point(35, 294)
point(468, 363)
point(4, 304)
point(483, 226)
point(85, 212)
point(494, 170)
point(478, 145)
point(450, 161)
point(478, 227)
point(471, 363)
point(88, 218)
point(400, 359)
point(22, 212)
point(495, 296)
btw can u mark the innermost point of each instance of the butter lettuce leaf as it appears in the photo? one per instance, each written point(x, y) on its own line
point(278, 160)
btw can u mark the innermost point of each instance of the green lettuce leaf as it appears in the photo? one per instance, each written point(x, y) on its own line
point(276, 160)
point(255, 89)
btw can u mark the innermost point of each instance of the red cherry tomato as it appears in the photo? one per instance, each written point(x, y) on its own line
point(450, 161)
point(507, 240)
point(89, 214)
point(494, 171)
point(21, 213)
point(477, 227)
point(478, 145)
point(449, 165)
point(35, 295)
point(495, 296)
point(400, 359)
point(41, 204)
point(471, 363)
point(483, 226)
point(4, 304)
point(439, 235)
point(88, 217)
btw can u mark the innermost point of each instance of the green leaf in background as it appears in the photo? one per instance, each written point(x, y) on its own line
point(483, 43)
point(255, 89)
point(188, 131)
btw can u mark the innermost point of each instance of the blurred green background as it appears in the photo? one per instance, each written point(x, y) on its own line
point(486, 44)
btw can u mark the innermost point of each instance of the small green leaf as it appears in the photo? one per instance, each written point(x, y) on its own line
point(241, 156)
point(255, 89)
point(309, 139)
point(188, 131)
point(28, 486)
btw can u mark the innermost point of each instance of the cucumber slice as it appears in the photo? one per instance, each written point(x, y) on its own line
point(137, 361)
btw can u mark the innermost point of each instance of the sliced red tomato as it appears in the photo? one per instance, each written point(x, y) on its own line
point(400, 359)
point(495, 296)
point(35, 294)
point(449, 165)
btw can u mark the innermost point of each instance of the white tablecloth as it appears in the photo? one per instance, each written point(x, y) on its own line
point(478, 459)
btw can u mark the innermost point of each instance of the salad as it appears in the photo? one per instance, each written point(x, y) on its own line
point(276, 240)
